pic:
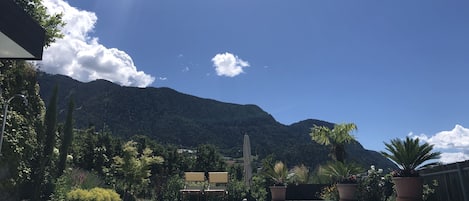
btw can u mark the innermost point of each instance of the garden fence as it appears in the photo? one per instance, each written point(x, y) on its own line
point(452, 181)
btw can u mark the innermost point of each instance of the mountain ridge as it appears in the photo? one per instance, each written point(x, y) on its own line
point(171, 117)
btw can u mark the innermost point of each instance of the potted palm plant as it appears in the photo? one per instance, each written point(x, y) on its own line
point(278, 173)
point(409, 155)
point(345, 175)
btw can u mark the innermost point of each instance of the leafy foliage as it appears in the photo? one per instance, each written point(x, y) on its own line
point(300, 174)
point(410, 155)
point(67, 138)
point(208, 159)
point(277, 171)
point(20, 142)
point(171, 188)
point(75, 179)
point(335, 138)
point(258, 190)
point(133, 168)
point(375, 186)
point(342, 172)
point(93, 151)
point(44, 176)
point(95, 194)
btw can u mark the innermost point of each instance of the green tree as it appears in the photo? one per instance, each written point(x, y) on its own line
point(21, 132)
point(335, 138)
point(67, 138)
point(93, 151)
point(208, 159)
point(46, 138)
point(170, 189)
point(163, 175)
point(133, 168)
point(20, 144)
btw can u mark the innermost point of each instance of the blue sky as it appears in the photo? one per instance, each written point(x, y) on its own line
point(391, 67)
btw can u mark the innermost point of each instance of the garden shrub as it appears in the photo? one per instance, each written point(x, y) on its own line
point(171, 188)
point(74, 178)
point(258, 189)
point(95, 194)
point(375, 186)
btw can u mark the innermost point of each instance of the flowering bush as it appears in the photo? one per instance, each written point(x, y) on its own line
point(375, 185)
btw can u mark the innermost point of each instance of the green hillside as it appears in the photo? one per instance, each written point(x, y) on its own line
point(184, 120)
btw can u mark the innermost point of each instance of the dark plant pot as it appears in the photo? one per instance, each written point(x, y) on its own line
point(304, 191)
point(278, 193)
point(347, 192)
point(408, 188)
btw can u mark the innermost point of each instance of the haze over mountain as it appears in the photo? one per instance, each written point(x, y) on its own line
point(184, 120)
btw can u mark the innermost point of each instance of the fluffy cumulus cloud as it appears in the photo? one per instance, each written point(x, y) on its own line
point(453, 144)
point(82, 57)
point(228, 64)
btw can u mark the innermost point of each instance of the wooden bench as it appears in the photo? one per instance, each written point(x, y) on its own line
point(217, 182)
point(194, 184)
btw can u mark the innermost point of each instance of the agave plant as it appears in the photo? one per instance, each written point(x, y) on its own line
point(410, 155)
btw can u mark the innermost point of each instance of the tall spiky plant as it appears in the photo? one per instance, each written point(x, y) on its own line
point(410, 155)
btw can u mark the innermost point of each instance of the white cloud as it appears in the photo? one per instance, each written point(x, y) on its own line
point(228, 64)
point(453, 157)
point(82, 57)
point(453, 144)
point(456, 138)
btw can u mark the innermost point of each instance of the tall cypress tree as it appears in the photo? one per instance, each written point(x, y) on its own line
point(43, 179)
point(67, 138)
point(50, 125)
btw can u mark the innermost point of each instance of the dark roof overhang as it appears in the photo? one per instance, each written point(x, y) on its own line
point(20, 36)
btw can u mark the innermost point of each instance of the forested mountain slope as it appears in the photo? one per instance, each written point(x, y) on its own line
point(172, 117)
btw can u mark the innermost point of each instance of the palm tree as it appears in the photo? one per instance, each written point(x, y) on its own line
point(410, 155)
point(335, 138)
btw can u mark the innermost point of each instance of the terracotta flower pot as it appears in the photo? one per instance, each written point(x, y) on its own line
point(408, 188)
point(347, 191)
point(278, 193)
